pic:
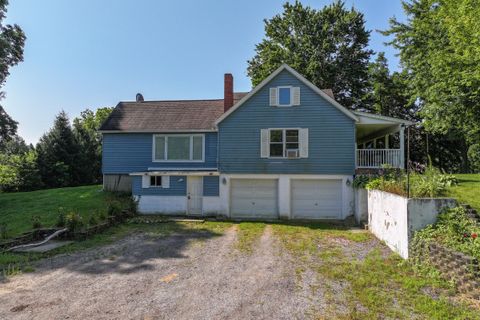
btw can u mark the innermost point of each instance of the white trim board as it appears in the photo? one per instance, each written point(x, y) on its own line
point(299, 77)
point(175, 173)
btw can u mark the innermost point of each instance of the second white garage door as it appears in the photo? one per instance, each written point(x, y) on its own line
point(316, 199)
point(254, 198)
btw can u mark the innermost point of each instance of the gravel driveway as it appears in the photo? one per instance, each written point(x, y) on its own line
point(181, 276)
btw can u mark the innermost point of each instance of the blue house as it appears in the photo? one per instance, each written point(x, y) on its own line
point(285, 150)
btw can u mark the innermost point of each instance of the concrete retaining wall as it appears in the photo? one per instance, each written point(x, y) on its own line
point(361, 205)
point(394, 219)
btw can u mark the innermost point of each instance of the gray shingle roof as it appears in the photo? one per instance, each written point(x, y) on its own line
point(164, 116)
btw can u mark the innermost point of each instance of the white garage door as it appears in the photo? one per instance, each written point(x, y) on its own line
point(316, 199)
point(254, 198)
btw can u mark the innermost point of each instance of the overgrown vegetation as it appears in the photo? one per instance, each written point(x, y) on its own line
point(374, 285)
point(427, 184)
point(454, 230)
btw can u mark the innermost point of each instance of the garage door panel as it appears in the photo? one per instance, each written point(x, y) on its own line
point(254, 198)
point(316, 199)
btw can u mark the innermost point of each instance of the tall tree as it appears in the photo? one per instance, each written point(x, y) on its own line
point(12, 41)
point(89, 141)
point(328, 46)
point(57, 154)
point(440, 51)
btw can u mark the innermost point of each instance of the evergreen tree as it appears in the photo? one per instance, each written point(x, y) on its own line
point(327, 46)
point(58, 153)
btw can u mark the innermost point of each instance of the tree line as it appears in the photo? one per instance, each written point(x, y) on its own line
point(436, 86)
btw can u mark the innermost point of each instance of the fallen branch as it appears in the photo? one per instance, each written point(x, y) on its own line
point(50, 237)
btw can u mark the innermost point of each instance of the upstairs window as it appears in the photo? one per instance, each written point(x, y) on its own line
point(178, 148)
point(284, 143)
point(284, 96)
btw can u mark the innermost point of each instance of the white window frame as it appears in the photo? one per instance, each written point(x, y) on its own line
point(291, 96)
point(284, 138)
point(155, 186)
point(166, 147)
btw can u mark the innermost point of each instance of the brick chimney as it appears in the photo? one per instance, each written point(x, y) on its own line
point(228, 92)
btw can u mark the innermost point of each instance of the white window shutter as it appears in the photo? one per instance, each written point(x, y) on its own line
point(165, 181)
point(145, 181)
point(264, 139)
point(296, 96)
point(273, 97)
point(303, 143)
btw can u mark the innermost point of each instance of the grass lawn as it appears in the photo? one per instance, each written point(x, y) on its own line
point(17, 209)
point(468, 190)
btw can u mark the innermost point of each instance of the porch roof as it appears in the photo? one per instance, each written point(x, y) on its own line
point(371, 126)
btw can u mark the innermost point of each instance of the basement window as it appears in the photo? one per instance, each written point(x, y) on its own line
point(155, 181)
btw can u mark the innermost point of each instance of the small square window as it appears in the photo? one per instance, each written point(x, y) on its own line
point(155, 181)
point(284, 96)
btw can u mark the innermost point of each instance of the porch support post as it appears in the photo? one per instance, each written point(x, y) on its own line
point(402, 147)
point(387, 142)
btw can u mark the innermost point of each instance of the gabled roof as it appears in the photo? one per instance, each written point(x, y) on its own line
point(166, 116)
point(284, 66)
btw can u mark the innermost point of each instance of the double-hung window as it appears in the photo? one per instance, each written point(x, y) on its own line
point(284, 143)
point(179, 147)
point(155, 181)
point(284, 96)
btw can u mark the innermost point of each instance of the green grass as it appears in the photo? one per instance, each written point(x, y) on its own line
point(248, 234)
point(468, 190)
point(17, 209)
point(380, 286)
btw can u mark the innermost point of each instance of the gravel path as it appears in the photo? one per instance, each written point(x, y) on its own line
point(184, 276)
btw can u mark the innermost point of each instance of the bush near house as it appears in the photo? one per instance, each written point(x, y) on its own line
point(430, 183)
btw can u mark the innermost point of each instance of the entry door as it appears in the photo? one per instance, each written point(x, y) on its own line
point(194, 195)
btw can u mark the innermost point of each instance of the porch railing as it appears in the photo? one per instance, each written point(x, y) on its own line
point(376, 158)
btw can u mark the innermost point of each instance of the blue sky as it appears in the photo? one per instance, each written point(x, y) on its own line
point(90, 53)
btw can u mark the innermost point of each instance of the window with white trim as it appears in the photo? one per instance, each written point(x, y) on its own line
point(284, 143)
point(179, 147)
point(155, 181)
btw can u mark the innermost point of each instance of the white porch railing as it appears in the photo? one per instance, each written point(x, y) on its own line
point(376, 158)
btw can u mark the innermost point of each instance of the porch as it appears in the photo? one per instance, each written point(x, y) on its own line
point(380, 141)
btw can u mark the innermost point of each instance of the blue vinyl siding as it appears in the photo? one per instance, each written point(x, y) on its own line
point(331, 134)
point(178, 187)
point(210, 186)
point(132, 152)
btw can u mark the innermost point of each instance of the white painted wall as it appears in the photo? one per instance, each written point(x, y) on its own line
point(361, 205)
point(387, 220)
point(394, 219)
point(211, 205)
point(162, 204)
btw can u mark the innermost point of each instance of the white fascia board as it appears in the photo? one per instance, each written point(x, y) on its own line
point(384, 118)
point(299, 77)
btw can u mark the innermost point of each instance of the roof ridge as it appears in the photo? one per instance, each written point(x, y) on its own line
point(185, 100)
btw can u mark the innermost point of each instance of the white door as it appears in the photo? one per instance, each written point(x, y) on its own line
point(194, 195)
point(316, 199)
point(254, 198)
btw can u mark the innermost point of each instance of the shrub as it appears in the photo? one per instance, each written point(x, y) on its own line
point(60, 218)
point(362, 180)
point(454, 230)
point(474, 157)
point(36, 223)
point(73, 221)
point(132, 206)
point(93, 221)
point(114, 209)
point(3, 231)
point(431, 183)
